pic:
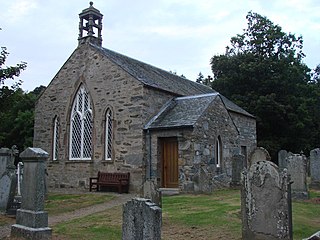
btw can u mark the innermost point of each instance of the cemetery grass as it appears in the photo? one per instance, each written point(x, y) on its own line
point(212, 216)
point(58, 203)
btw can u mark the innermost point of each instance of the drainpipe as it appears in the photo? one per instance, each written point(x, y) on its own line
point(149, 164)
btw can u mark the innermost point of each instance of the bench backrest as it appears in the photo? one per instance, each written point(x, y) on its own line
point(112, 177)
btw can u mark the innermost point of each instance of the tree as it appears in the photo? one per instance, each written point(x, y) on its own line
point(11, 71)
point(263, 72)
point(17, 116)
point(200, 78)
point(16, 107)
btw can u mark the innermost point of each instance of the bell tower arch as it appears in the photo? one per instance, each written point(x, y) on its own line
point(90, 26)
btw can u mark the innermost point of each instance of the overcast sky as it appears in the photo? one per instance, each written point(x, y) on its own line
point(175, 35)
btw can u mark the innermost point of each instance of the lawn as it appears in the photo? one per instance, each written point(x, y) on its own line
point(214, 216)
point(185, 216)
point(61, 203)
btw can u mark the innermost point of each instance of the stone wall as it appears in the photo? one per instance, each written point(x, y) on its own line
point(196, 151)
point(108, 86)
point(247, 132)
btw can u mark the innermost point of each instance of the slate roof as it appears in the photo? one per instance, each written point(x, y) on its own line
point(181, 112)
point(157, 78)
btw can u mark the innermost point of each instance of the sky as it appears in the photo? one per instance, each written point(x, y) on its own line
point(176, 35)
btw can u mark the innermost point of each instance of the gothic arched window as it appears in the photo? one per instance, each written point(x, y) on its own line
point(55, 140)
point(81, 126)
point(108, 135)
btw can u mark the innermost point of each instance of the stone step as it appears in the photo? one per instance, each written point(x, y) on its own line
point(169, 191)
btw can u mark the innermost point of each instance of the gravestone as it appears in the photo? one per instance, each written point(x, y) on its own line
point(8, 181)
point(296, 165)
point(31, 219)
point(141, 220)
point(152, 192)
point(315, 168)
point(283, 159)
point(265, 203)
point(315, 236)
point(259, 154)
point(238, 164)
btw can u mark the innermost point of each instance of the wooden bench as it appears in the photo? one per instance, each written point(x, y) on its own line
point(106, 179)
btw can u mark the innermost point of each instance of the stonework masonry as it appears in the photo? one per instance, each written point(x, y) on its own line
point(136, 93)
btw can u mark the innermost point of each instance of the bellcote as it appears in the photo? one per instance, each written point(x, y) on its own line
point(90, 26)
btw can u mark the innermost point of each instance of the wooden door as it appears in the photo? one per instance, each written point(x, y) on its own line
point(170, 172)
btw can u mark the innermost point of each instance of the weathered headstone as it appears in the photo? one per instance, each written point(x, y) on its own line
point(265, 203)
point(152, 192)
point(282, 159)
point(315, 168)
point(31, 219)
point(141, 220)
point(259, 154)
point(296, 165)
point(8, 181)
point(238, 165)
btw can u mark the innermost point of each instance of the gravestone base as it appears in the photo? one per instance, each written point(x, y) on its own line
point(12, 210)
point(32, 219)
point(299, 195)
point(315, 185)
point(18, 230)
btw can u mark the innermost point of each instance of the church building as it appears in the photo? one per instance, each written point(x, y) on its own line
point(104, 111)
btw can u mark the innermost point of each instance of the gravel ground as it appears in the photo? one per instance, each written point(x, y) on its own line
point(119, 200)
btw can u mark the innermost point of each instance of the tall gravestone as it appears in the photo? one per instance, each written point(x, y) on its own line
point(238, 164)
point(31, 219)
point(141, 220)
point(282, 159)
point(265, 203)
point(8, 180)
point(296, 165)
point(315, 168)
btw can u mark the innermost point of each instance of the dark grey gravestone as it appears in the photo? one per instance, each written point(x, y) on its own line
point(141, 220)
point(238, 163)
point(297, 168)
point(259, 154)
point(315, 168)
point(282, 159)
point(265, 203)
point(31, 219)
point(8, 180)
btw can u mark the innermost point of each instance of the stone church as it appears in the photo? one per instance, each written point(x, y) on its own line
point(104, 111)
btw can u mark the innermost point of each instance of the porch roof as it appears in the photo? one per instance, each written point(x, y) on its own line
point(181, 112)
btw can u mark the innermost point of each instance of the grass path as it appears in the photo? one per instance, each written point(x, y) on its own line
point(118, 200)
point(53, 219)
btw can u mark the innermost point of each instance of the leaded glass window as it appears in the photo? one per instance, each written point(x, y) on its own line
point(55, 142)
point(108, 135)
point(81, 127)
